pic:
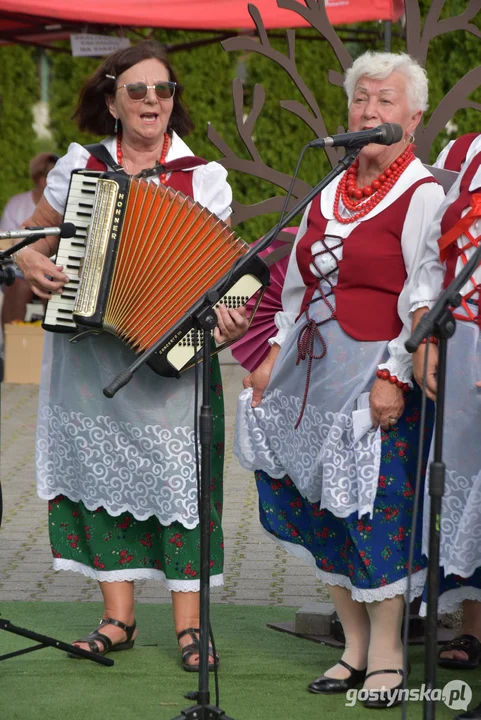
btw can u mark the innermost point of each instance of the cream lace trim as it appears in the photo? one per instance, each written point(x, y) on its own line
point(450, 600)
point(135, 574)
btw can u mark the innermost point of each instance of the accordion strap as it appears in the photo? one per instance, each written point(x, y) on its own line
point(189, 162)
point(101, 153)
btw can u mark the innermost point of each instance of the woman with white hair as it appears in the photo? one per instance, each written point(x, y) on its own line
point(338, 494)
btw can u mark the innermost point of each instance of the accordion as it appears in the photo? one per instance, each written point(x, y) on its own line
point(140, 264)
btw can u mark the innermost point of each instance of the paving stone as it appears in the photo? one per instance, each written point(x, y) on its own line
point(257, 571)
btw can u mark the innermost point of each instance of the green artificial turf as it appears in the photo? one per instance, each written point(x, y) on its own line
point(263, 673)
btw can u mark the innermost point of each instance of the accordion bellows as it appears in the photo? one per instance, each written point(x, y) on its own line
point(172, 251)
point(141, 263)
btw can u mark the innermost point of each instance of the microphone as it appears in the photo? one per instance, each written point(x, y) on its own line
point(64, 230)
point(385, 134)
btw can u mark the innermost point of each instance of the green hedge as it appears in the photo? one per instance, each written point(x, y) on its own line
point(18, 94)
point(207, 73)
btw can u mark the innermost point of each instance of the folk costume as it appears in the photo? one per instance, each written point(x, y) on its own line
point(338, 495)
point(451, 241)
point(120, 474)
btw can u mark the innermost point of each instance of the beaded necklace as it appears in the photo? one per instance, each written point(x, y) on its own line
point(163, 155)
point(375, 192)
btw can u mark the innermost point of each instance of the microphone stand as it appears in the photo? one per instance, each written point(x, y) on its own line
point(203, 316)
point(440, 323)
point(7, 277)
point(204, 710)
point(242, 263)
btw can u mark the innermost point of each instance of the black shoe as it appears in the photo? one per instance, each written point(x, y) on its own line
point(390, 697)
point(328, 685)
point(468, 644)
point(474, 714)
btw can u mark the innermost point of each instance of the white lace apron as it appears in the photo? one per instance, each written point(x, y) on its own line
point(320, 457)
point(461, 507)
point(134, 452)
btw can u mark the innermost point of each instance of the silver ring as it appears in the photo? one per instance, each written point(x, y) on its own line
point(392, 421)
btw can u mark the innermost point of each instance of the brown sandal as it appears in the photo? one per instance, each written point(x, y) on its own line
point(193, 648)
point(106, 644)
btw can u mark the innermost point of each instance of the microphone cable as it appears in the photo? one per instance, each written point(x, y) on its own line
point(278, 226)
point(197, 366)
point(417, 495)
point(196, 399)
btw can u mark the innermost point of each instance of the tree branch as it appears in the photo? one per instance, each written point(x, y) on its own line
point(245, 126)
point(315, 13)
point(256, 168)
point(456, 99)
point(433, 27)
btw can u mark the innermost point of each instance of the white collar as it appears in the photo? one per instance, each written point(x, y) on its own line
point(178, 148)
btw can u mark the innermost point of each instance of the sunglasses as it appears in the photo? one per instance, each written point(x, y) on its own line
point(137, 91)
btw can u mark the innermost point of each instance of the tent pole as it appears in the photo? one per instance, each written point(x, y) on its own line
point(388, 35)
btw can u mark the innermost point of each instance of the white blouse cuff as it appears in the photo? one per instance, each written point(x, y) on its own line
point(402, 369)
point(420, 304)
point(279, 338)
point(284, 321)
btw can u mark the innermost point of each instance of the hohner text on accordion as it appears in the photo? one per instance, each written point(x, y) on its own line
point(105, 227)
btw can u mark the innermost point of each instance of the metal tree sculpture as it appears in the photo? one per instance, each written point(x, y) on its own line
point(314, 12)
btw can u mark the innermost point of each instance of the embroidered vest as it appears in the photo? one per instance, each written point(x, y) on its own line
point(371, 273)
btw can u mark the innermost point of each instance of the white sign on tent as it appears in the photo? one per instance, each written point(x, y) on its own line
point(90, 45)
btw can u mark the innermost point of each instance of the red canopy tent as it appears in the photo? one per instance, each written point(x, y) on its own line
point(20, 20)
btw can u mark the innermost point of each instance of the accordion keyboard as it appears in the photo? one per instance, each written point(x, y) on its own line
point(71, 251)
point(182, 354)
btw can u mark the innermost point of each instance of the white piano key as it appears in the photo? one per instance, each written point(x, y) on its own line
point(78, 211)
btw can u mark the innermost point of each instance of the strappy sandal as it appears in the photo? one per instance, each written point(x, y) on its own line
point(193, 648)
point(106, 645)
point(465, 643)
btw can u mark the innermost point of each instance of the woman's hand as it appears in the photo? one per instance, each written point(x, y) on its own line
point(231, 324)
point(387, 403)
point(44, 277)
point(259, 379)
point(431, 371)
point(418, 360)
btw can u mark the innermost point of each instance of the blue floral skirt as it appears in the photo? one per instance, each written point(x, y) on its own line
point(368, 555)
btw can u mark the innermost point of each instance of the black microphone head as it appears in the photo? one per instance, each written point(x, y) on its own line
point(67, 230)
point(390, 133)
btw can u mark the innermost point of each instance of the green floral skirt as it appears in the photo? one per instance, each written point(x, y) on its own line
point(108, 548)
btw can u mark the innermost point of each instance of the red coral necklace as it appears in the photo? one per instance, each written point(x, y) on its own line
point(163, 155)
point(351, 195)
